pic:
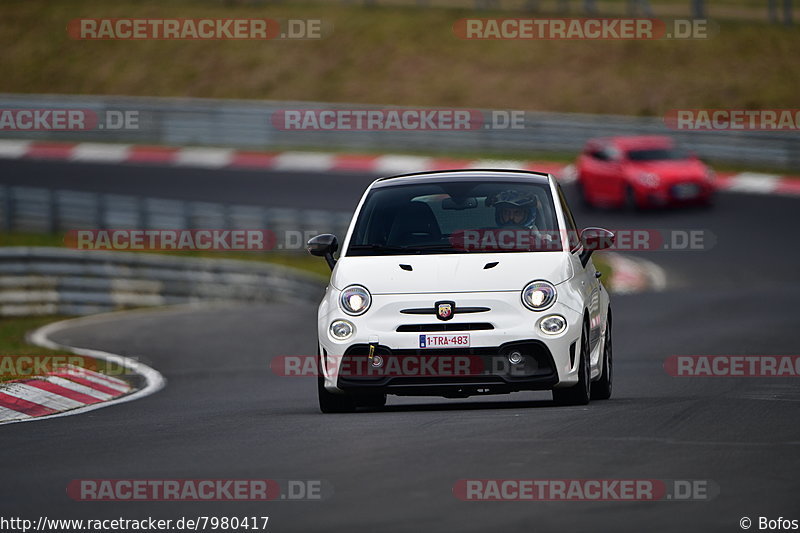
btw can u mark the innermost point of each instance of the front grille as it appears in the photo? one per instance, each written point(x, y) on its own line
point(474, 364)
point(447, 326)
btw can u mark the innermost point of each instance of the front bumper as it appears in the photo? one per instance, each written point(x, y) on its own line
point(548, 360)
point(677, 193)
point(459, 373)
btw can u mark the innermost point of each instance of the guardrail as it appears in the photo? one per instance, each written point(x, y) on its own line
point(41, 280)
point(247, 124)
point(41, 210)
point(47, 281)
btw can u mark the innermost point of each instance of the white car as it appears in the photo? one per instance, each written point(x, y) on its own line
point(464, 282)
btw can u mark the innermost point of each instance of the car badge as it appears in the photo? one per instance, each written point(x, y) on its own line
point(444, 310)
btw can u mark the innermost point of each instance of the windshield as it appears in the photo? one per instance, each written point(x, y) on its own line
point(658, 154)
point(456, 217)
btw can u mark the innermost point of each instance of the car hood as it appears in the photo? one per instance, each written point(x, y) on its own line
point(670, 169)
point(450, 272)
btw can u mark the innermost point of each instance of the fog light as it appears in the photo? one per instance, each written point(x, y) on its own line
point(515, 358)
point(341, 329)
point(553, 324)
point(377, 361)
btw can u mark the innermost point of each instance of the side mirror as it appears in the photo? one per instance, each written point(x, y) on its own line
point(324, 245)
point(595, 239)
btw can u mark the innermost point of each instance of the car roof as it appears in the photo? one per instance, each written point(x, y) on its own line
point(463, 175)
point(636, 141)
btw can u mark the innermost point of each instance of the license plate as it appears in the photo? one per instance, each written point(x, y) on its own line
point(685, 191)
point(444, 341)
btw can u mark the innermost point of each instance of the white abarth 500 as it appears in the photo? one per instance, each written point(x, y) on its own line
point(464, 282)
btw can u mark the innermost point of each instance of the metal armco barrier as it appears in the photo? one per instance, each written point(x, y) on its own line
point(247, 124)
point(46, 281)
point(41, 210)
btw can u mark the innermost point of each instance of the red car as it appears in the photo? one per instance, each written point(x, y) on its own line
point(642, 172)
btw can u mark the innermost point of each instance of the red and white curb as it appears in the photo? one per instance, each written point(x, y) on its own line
point(73, 390)
point(633, 274)
point(388, 164)
point(229, 158)
point(66, 388)
point(745, 182)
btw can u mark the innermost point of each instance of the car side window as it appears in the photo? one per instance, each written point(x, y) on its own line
point(598, 153)
point(572, 228)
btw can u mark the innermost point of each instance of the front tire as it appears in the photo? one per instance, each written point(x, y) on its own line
point(586, 199)
point(601, 389)
point(580, 393)
point(630, 203)
point(328, 401)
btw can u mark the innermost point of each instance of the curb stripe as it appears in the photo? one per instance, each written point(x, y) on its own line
point(25, 407)
point(202, 157)
point(387, 164)
point(354, 162)
point(10, 414)
point(85, 372)
point(54, 388)
point(40, 397)
point(77, 387)
point(14, 149)
point(252, 160)
point(41, 150)
point(93, 383)
point(100, 153)
point(151, 154)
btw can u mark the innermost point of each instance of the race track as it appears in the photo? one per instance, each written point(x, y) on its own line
point(224, 414)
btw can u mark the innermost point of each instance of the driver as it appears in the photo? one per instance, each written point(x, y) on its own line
point(514, 209)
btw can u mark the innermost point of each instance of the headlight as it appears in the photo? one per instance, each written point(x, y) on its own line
point(341, 329)
point(355, 300)
point(538, 295)
point(553, 324)
point(648, 179)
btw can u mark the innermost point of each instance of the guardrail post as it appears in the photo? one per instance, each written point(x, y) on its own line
point(100, 210)
point(8, 206)
point(52, 212)
point(698, 9)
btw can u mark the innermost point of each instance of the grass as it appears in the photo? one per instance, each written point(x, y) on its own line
point(299, 260)
point(13, 331)
point(398, 56)
point(13, 342)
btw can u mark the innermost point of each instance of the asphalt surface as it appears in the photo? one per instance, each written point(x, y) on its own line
point(224, 414)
